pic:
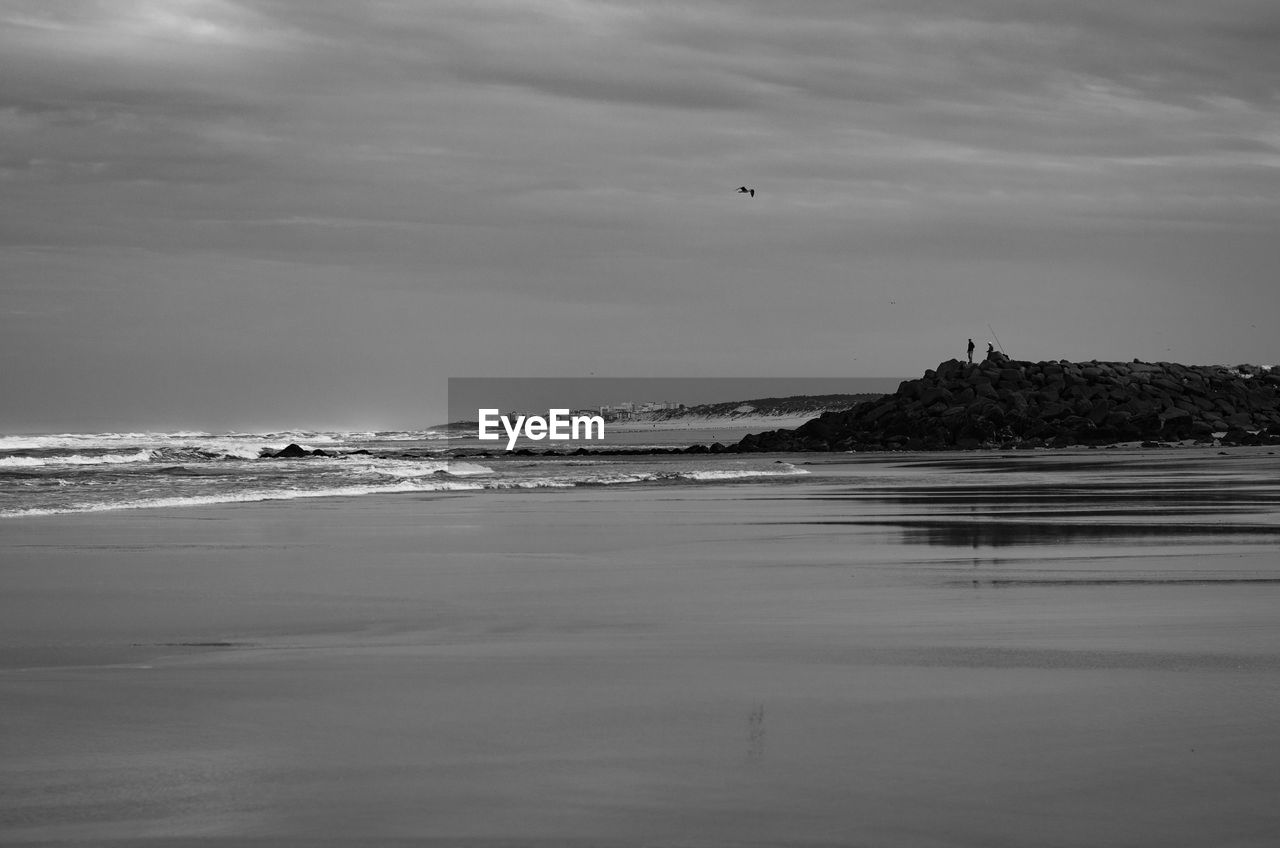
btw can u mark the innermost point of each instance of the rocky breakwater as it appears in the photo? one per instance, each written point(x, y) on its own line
point(1004, 403)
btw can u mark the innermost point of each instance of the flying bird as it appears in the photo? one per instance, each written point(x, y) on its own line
point(745, 190)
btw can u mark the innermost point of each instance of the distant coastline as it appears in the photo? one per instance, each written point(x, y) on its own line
point(790, 411)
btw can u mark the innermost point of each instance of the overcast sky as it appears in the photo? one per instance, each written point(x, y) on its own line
point(269, 213)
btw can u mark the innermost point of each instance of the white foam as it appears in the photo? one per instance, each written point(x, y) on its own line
point(742, 473)
point(623, 478)
point(246, 445)
point(397, 436)
point(421, 468)
point(459, 468)
point(73, 459)
point(619, 479)
point(237, 446)
point(540, 483)
point(254, 497)
point(570, 482)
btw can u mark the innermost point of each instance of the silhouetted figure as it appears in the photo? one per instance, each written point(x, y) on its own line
point(745, 190)
point(970, 351)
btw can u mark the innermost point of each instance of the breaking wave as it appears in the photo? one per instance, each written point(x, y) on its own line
point(455, 476)
point(785, 470)
point(73, 459)
point(249, 497)
point(420, 468)
point(77, 472)
point(231, 443)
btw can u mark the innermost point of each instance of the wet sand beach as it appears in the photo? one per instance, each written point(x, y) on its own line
point(1049, 648)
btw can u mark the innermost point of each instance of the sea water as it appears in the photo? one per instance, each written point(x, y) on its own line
point(71, 472)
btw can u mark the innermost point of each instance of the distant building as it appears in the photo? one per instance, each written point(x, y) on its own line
point(629, 410)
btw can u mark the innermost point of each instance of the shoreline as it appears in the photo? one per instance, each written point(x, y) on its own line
point(805, 460)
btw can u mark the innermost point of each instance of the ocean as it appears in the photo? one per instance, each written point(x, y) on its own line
point(79, 472)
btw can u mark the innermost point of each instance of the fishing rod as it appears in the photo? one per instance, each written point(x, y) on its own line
point(997, 338)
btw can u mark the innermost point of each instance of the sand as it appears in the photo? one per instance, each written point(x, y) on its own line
point(1052, 649)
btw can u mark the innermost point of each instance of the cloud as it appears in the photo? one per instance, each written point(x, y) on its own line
point(572, 152)
point(512, 86)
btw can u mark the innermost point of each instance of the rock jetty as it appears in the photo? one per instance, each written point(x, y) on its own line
point(1004, 403)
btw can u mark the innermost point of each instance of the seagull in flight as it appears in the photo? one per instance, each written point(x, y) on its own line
point(745, 190)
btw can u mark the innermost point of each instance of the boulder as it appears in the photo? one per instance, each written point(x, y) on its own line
point(1005, 403)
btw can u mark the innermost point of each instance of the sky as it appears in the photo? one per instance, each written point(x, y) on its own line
point(239, 214)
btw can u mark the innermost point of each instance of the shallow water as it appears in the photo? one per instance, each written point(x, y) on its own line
point(1037, 649)
point(69, 473)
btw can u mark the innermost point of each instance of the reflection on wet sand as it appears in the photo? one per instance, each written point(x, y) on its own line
point(1173, 581)
point(1045, 500)
point(978, 532)
point(1000, 534)
point(1059, 648)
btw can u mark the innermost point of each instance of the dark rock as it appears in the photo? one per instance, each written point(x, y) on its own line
point(292, 451)
point(985, 389)
point(1011, 404)
point(1202, 430)
point(1237, 436)
point(933, 395)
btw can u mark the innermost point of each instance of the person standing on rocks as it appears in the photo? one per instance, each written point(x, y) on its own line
point(970, 351)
